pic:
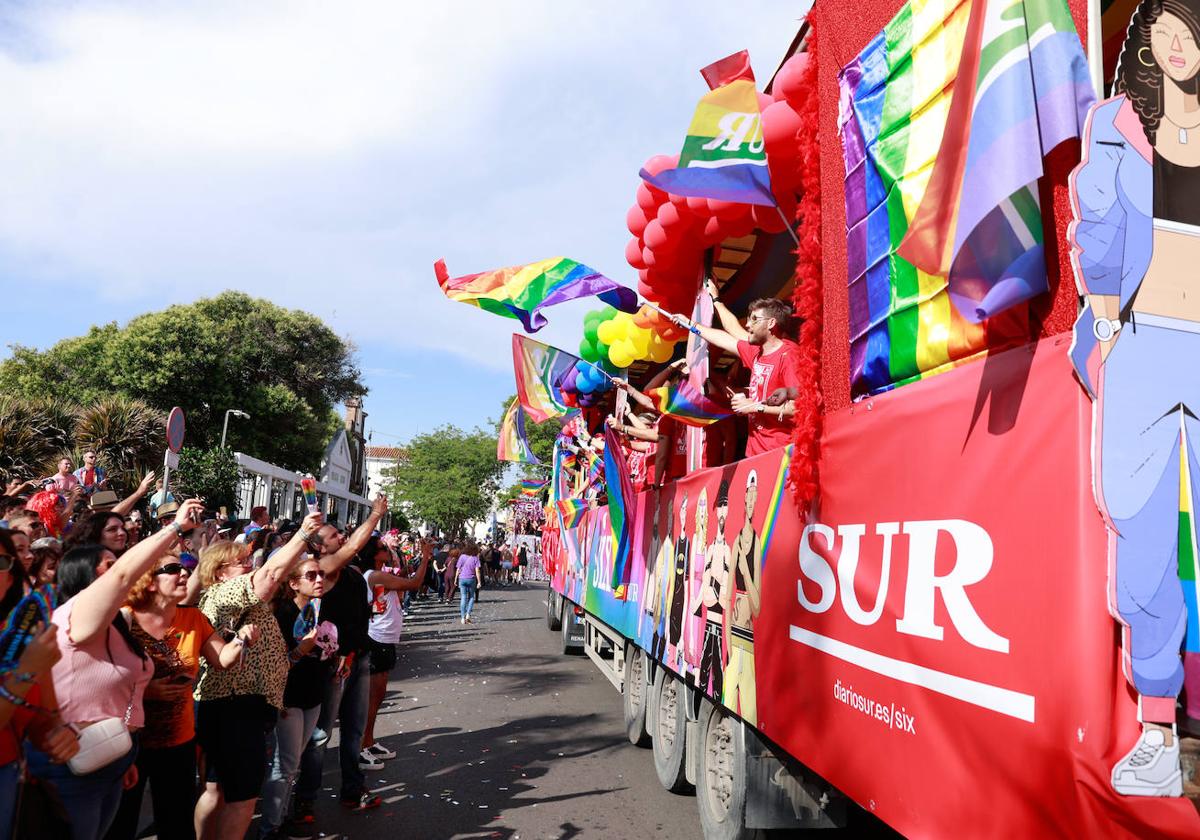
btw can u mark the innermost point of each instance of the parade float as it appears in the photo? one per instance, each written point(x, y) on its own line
point(964, 599)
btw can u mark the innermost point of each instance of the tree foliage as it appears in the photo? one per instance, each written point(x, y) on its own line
point(541, 440)
point(211, 474)
point(446, 477)
point(284, 367)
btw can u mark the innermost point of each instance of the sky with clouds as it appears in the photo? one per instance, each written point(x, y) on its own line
point(323, 155)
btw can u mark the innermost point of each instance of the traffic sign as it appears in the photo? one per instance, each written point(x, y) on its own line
point(175, 427)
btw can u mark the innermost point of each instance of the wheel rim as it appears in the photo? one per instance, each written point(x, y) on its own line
point(718, 767)
point(668, 714)
point(636, 684)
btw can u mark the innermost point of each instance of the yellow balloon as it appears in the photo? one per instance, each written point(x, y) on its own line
point(607, 332)
point(640, 339)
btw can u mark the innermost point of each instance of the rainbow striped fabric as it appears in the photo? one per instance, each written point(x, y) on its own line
point(513, 444)
point(723, 155)
point(533, 486)
point(571, 511)
point(539, 370)
point(687, 405)
point(520, 291)
point(775, 500)
point(621, 502)
point(1022, 89)
point(1189, 557)
point(895, 99)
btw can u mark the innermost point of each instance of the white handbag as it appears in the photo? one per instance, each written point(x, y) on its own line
point(100, 745)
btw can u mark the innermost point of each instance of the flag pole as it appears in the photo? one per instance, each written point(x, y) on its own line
point(787, 224)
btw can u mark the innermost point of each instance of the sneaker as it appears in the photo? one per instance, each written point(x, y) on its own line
point(1151, 768)
point(365, 801)
point(469, 619)
point(367, 761)
point(380, 751)
point(462, 619)
point(319, 737)
point(303, 812)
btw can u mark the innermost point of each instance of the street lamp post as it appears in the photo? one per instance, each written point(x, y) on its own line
point(225, 429)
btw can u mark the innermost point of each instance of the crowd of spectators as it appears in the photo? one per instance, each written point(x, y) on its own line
point(152, 645)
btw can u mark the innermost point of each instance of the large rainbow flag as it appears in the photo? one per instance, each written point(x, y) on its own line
point(724, 156)
point(513, 444)
point(520, 291)
point(1022, 89)
point(571, 512)
point(539, 370)
point(895, 101)
point(687, 405)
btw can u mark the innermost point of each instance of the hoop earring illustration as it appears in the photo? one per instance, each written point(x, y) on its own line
point(1142, 61)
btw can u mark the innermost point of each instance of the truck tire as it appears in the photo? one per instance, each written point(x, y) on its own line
point(553, 616)
point(635, 693)
point(721, 779)
point(565, 622)
point(670, 732)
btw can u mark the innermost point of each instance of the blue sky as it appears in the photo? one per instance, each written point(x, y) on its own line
point(323, 155)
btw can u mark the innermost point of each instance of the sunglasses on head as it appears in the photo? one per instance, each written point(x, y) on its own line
point(169, 569)
point(313, 574)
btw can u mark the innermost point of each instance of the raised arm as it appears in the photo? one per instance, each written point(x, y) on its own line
point(126, 505)
point(401, 583)
point(97, 605)
point(335, 561)
point(267, 578)
point(729, 321)
point(636, 395)
point(715, 337)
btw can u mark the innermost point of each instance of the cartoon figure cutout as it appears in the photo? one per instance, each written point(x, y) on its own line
point(741, 604)
point(714, 583)
point(693, 635)
point(1136, 245)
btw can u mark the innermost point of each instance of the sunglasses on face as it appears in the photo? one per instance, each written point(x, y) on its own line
point(313, 575)
point(169, 569)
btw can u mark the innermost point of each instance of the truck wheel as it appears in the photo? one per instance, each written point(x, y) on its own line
point(565, 623)
point(634, 695)
point(721, 782)
point(553, 619)
point(670, 733)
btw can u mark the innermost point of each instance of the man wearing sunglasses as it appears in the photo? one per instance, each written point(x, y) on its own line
point(771, 357)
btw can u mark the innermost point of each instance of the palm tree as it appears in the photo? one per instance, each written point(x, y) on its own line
point(128, 435)
point(27, 445)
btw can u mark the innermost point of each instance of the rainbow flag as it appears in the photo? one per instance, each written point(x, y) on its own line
point(521, 290)
point(571, 511)
point(540, 370)
point(724, 156)
point(687, 405)
point(621, 508)
point(1022, 89)
point(533, 486)
point(512, 444)
point(1189, 557)
point(775, 500)
point(895, 100)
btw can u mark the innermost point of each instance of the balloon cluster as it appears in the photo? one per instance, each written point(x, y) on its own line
point(672, 232)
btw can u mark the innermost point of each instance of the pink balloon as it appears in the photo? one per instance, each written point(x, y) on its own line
point(633, 254)
point(636, 220)
point(780, 124)
point(660, 163)
point(787, 82)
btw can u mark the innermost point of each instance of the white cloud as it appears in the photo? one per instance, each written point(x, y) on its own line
point(324, 154)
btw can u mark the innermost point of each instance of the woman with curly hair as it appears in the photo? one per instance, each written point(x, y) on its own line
point(1136, 245)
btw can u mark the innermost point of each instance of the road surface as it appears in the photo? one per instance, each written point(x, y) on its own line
point(497, 734)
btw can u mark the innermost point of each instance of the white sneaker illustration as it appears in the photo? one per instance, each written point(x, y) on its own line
point(1151, 768)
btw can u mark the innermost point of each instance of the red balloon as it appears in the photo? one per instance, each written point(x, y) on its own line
point(659, 163)
point(679, 201)
point(741, 227)
point(780, 124)
point(767, 219)
point(698, 206)
point(646, 199)
point(725, 209)
point(788, 81)
point(648, 257)
point(636, 220)
point(714, 231)
point(633, 254)
point(654, 236)
point(764, 101)
point(645, 291)
point(669, 216)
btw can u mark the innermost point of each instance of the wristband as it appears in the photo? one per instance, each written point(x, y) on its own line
point(23, 676)
point(5, 694)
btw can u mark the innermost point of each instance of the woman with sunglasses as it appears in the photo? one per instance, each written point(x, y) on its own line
point(176, 638)
point(239, 707)
point(310, 674)
point(103, 671)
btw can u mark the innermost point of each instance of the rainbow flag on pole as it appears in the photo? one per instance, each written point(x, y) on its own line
point(687, 405)
point(539, 370)
point(1022, 89)
point(621, 502)
point(513, 445)
point(571, 511)
point(724, 156)
point(533, 486)
point(521, 290)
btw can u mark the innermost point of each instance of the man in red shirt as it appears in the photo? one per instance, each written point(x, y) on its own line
point(771, 359)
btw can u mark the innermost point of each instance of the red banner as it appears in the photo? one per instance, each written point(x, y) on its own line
point(936, 641)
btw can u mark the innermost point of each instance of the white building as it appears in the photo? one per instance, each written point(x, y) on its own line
point(380, 458)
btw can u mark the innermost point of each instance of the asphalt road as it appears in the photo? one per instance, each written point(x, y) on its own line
point(497, 734)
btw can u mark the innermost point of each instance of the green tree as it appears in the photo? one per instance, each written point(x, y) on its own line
point(284, 367)
point(541, 440)
point(447, 477)
point(128, 435)
point(211, 474)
